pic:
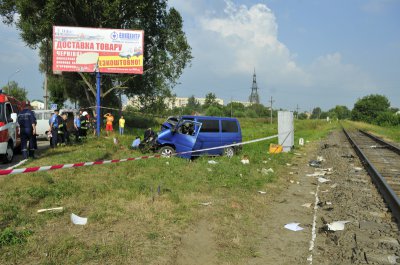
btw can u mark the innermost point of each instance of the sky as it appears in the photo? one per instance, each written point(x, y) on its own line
point(306, 53)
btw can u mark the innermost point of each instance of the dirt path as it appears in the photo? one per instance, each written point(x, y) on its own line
point(370, 237)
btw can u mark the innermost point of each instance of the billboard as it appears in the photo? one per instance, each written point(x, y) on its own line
point(77, 49)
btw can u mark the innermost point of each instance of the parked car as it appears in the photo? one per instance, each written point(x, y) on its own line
point(189, 133)
point(43, 117)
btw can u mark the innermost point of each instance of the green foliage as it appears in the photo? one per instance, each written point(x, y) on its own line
point(340, 112)
point(316, 113)
point(13, 89)
point(387, 118)
point(9, 236)
point(214, 111)
point(210, 100)
point(369, 107)
point(302, 116)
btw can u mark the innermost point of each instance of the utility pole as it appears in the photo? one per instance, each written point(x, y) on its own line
point(297, 111)
point(271, 101)
point(231, 108)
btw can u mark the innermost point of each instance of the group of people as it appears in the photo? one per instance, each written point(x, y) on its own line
point(109, 124)
point(58, 132)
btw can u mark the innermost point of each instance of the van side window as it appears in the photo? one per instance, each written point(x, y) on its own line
point(47, 115)
point(38, 116)
point(229, 126)
point(8, 112)
point(209, 125)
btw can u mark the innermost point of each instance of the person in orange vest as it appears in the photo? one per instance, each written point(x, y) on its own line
point(109, 123)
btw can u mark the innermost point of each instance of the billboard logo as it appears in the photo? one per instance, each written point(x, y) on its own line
point(114, 35)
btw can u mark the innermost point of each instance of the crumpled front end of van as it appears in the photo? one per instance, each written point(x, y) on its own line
point(164, 137)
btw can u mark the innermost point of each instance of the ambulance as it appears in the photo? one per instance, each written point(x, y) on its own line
point(10, 139)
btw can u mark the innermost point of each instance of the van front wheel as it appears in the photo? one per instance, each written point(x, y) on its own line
point(166, 151)
point(229, 152)
point(9, 155)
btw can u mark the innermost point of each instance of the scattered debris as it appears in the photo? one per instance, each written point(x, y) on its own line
point(348, 156)
point(334, 185)
point(291, 173)
point(316, 174)
point(205, 203)
point(265, 171)
point(328, 203)
point(288, 164)
point(311, 192)
point(314, 163)
point(167, 163)
point(262, 192)
point(291, 181)
point(294, 227)
point(322, 180)
point(212, 162)
point(324, 191)
point(77, 220)
point(320, 159)
point(209, 169)
point(373, 146)
point(245, 161)
point(301, 141)
point(298, 182)
point(308, 205)
point(297, 154)
point(115, 140)
point(337, 225)
point(358, 169)
point(56, 209)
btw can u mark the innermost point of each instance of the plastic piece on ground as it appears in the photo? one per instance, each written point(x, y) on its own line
point(212, 162)
point(337, 226)
point(78, 220)
point(294, 227)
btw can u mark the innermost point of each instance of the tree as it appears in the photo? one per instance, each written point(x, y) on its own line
point(193, 105)
point(166, 51)
point(302, 116)
point(369, 107)
point(211, 100)
point(316, 113)
point(340, 112)
point(17, 92)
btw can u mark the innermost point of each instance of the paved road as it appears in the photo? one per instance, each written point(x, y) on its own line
point(42, 145)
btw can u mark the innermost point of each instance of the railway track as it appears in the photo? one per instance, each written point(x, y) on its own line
point(382, 161)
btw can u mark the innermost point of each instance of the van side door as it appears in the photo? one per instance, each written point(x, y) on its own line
point(12, 125)
point(209, 136)
point(185, 136)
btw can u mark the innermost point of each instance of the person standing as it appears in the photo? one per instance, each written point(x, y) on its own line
point(84, 124)
point(77, 127)
point(121, 125)
point(109, 123)
point(54, 123)
point(27, 124)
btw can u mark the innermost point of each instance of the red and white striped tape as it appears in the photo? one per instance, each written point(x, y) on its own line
point(82, 164)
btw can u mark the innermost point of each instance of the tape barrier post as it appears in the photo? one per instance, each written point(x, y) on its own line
point(82, 164)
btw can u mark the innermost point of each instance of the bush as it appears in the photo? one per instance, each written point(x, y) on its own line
point(214, 111)
point(387, 118)
point(10, 237)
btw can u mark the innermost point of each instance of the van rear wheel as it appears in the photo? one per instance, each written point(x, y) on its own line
point(229, 152)
point(166, 151)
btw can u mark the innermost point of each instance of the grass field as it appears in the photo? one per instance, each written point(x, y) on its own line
point(137, 211)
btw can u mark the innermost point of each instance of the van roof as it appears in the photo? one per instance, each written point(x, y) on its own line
point(208, 117)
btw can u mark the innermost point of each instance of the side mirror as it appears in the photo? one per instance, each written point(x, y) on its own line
point(14, 117)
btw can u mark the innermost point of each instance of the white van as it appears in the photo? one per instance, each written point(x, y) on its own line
point(43, 117)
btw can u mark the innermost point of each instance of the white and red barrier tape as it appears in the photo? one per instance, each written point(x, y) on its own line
point(82, 164)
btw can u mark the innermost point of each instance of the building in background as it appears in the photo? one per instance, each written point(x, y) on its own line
point(170, 102)
point(37, 104)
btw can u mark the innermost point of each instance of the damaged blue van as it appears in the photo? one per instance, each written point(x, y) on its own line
point(189, 133)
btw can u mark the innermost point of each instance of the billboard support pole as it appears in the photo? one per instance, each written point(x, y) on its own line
point(98, 79)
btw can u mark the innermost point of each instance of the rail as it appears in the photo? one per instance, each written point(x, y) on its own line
point(384, 188)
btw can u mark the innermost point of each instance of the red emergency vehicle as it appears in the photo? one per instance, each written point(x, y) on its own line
point(9, 133)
